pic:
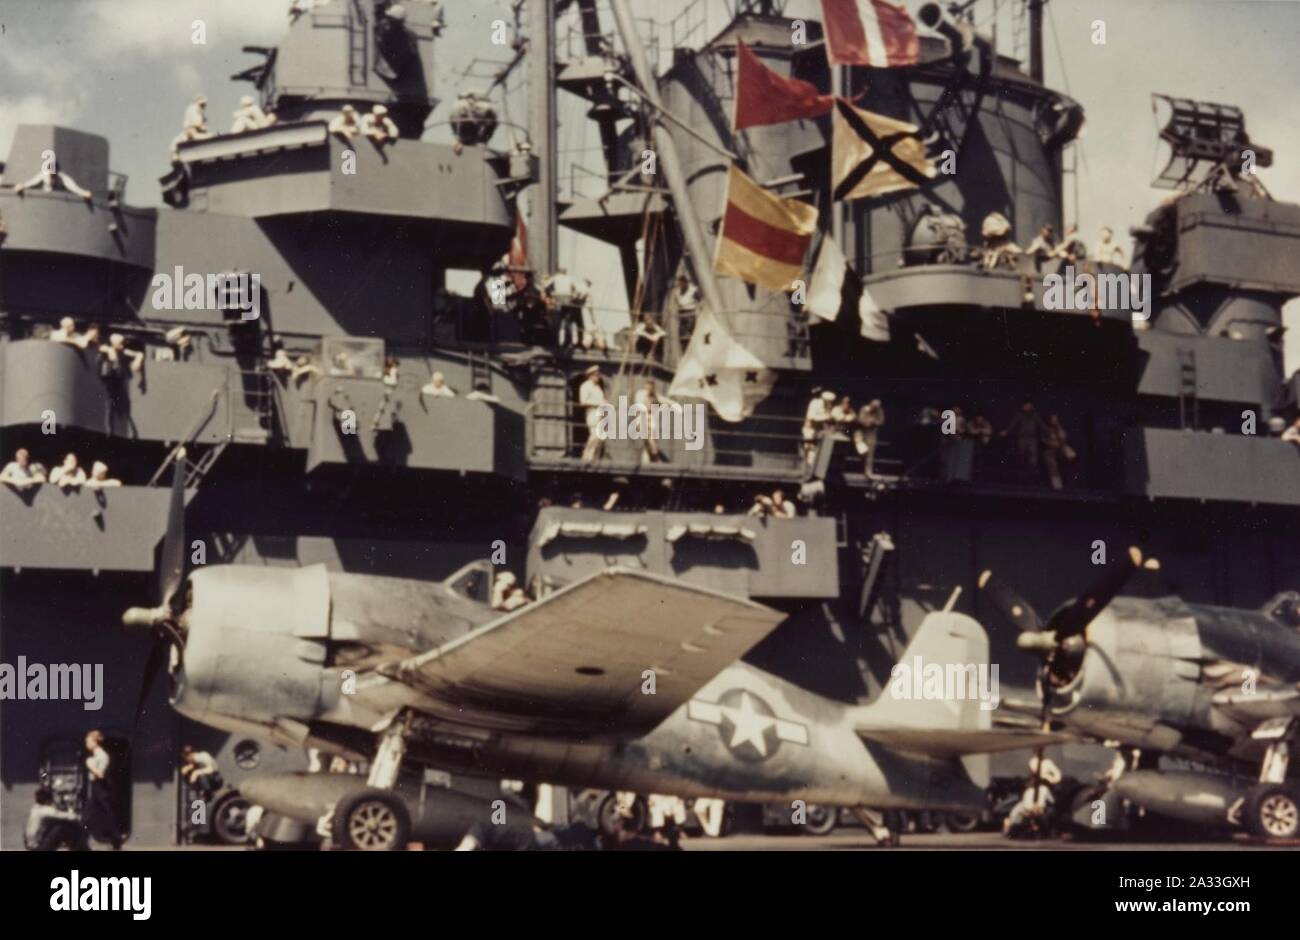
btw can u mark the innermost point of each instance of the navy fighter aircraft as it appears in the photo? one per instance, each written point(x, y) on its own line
point(1215, 686)
point(622, 681)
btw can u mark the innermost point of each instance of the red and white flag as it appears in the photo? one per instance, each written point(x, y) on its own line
point(869, 32)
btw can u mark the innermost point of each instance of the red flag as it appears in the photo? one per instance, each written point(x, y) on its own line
point(869, 32)
point(764, 97)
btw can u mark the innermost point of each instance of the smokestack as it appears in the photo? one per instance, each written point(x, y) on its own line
point(1036, 40)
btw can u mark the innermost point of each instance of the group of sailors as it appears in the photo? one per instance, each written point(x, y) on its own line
point(250, 116)
point(67, 820)
point(375, 125)
point(840, 420)
point(1000, 251)
point(591, 400)
point(1041, 444)
point(23, 474)
point(557, 311)
point(776, 506)
point(117, 363)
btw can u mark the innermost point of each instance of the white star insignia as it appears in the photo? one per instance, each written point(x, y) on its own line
point(748, 725)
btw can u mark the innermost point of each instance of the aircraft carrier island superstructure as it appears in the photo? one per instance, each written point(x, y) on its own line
point(307, 418)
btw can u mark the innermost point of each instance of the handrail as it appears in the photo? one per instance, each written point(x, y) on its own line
point(188, 438)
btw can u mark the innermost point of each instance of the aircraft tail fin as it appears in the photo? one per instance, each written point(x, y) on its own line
point(940, 697)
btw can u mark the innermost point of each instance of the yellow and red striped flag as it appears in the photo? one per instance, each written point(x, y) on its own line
point(764, 238)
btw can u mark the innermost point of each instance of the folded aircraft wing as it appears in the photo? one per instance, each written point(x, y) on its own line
point(612, 655)
point(944, 743)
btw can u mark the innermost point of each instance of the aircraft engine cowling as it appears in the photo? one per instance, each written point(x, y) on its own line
point(1137, 681)
point(256, 647)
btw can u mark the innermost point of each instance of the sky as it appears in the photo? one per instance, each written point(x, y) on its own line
point(127, 68)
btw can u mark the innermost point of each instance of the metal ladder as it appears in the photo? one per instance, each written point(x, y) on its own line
point(262, 402)
point(873, 557)
point(480, 371)
point(550, 428)
point(1187, 401)
point(358, 46)
point(194, 470)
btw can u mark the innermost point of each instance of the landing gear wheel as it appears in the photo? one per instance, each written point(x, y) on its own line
point(1272, 812)
point(611, 820)
point(961, 822)
point(822, 820)
point(371, 821)
point(230, 819)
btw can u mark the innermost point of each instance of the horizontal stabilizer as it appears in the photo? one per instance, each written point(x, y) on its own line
point(957, 742)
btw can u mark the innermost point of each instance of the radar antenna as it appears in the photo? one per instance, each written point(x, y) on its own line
point(1209, 147)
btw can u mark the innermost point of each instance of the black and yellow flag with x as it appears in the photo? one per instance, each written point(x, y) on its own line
point(872, 154)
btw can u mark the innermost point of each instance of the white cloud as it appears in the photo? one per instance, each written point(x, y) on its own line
point(163, 28)
point(33, 109)
point(48, 79)
point(188, 78)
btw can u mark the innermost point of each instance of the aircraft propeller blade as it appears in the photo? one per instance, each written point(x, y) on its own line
point(1009, 603)
point(1074, 619)
point(1044, 724)
point(171, 561)
point(153, 665)
point(167, 637)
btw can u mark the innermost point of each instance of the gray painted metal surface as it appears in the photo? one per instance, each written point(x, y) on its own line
point(433, 484)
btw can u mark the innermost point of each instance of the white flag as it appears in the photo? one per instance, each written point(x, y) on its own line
point(875, 322)
point(826, 290)
point(722, 372)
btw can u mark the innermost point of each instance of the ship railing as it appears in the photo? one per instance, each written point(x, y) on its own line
point(582, 182)
point(690, 28)
point(575, 42)
point(763, 443)
point(459, 321)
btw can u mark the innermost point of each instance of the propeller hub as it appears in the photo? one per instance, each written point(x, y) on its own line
point(1074, 645)
point(1037, 641)
point(143, 619)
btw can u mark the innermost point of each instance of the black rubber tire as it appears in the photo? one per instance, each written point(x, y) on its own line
point(610, 821)
point(1272, 811)
point(229, 819)
point(371, 820)
point(961, 822)
point(821, 820)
